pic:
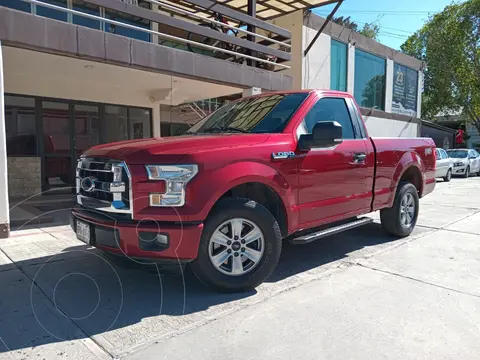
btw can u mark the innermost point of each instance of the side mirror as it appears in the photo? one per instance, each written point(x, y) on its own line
point(324, 134)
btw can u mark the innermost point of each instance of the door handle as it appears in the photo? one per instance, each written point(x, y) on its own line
point(359, 158)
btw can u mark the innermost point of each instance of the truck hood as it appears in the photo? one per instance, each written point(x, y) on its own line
point(171, 149)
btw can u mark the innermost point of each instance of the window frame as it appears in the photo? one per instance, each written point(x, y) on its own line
point(346, 63)
point(302, 125)
point(384, 94)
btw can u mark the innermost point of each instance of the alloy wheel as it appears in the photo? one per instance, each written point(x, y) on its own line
point(236, 247)
point(407, 210)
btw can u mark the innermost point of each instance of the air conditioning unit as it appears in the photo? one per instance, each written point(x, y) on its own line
point(131, 2)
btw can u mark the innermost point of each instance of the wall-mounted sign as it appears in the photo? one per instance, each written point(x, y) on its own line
point(405, 89)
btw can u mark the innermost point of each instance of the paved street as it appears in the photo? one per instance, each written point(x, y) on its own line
point(357, 295)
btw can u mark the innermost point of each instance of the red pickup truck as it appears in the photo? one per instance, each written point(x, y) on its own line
point(294, 166)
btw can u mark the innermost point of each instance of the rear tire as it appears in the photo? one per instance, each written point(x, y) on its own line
point(401, 218)
point(238, 272)
point(467, 172)
point(449, 176)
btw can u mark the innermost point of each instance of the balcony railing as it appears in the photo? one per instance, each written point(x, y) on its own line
point(221, 33)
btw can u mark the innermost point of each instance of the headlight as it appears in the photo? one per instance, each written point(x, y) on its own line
point(176, 178)
point(459, 164)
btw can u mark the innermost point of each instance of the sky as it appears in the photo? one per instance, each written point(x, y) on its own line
point(397, 19)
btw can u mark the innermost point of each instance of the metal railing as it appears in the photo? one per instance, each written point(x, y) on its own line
point(157, 17)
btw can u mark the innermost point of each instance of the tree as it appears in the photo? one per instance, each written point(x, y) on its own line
point(449, 44)
point(346, 22)
point(372, 91)
point(369, 30)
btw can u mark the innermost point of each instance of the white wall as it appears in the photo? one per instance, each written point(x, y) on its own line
point(379, 127)
point(316, 65)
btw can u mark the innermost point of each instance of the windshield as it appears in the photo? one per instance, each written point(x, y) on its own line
point(459, 154)
point(266, 114)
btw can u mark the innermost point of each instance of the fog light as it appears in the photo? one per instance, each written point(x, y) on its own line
point(162, 239)
point(155, 199)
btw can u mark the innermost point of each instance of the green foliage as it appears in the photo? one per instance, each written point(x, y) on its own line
point(368, 30)
point(449, 44)
point(346, 22)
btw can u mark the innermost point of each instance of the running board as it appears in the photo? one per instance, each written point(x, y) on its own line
point(305, 239)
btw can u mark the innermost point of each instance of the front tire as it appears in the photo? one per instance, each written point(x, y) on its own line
point(448, 177)
point(239, 248)
point(467, 172)
point(401, 218)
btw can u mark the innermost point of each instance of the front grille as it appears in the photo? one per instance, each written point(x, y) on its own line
point(103, 185)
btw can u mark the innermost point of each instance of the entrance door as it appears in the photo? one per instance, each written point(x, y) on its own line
point(68, 130)
point(86, 128)
point(57, 156)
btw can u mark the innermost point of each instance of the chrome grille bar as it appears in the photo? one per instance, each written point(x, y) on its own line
point(104, 185)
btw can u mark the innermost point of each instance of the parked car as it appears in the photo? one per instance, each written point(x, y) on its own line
point(444, 167)
point(297, 166)
point(465, 161)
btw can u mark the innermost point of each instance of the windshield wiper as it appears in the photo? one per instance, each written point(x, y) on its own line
point(226, 129)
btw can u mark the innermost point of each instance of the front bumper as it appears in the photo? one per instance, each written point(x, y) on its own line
point(136, 239)
point(459, 170)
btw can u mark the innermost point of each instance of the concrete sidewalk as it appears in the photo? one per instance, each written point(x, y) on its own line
point(418, 301)
point(356, 295)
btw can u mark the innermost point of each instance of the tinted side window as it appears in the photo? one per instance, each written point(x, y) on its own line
point(439, 156)
point(444, 154)
point(331, 109)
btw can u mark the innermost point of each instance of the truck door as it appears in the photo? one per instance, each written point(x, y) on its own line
point(336, 182)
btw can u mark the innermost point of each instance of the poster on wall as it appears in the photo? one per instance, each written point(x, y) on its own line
point(405, 88)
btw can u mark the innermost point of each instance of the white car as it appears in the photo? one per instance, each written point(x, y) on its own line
point(465, 161)
point(444, 167)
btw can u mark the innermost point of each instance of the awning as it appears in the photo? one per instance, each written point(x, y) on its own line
point(266, 9)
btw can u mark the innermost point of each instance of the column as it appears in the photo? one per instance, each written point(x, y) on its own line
point(154, 25)
point(251, 11)
point(389, 86)
point(156, 119)
point(351, 69)
point(419, 94)
point(251, 91)
point(4, 205)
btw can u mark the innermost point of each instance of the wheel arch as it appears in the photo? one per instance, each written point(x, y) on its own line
point(262, 193)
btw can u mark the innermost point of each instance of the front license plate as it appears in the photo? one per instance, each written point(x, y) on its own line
point(83, 232)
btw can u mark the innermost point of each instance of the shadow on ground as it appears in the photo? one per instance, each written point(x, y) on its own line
point(83, 286)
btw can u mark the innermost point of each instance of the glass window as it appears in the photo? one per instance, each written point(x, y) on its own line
point(140, 123)
point(87, 132)
point(56, 128)
point(331, 109)
point(53, 13)
point(128, 19)
point(444, 154)
point(115, 124)
point(369, 80)
point(16, 4)
point(20, 126)
point(265, 114)
point(338, 67)
point(457, 154)
point(438, 154)
point(91, 9)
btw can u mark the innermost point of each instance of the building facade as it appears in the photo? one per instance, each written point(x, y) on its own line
point(80, 73)
point(385, 83)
